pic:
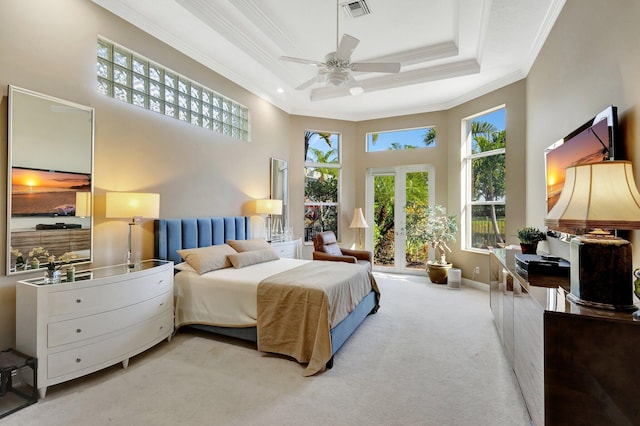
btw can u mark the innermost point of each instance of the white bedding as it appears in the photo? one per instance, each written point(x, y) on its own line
point(225, 297)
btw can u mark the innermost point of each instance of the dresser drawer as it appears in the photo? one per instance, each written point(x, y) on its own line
point(77, 329)
point(110, 351)
point(109, 296)
point(287, 249)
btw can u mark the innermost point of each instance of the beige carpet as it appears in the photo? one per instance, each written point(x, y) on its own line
point(430, 356)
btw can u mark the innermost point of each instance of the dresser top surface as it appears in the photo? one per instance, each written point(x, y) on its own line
point(103, 272)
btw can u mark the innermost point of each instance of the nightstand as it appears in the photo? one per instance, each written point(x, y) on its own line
point(104, 317)
point(289, 249)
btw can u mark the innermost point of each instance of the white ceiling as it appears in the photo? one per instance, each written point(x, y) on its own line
point(451, 51)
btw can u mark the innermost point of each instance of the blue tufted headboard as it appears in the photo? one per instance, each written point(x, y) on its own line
point(176, 234)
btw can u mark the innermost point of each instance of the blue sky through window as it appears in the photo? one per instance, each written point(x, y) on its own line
point(396, 139)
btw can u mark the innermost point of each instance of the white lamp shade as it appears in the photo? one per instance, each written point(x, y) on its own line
point(598, 195)
point(268, 206)
point(83, 204)
point(358, 219)
point(133, 205)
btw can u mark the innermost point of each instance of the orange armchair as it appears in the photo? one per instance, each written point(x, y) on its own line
point(326, 248)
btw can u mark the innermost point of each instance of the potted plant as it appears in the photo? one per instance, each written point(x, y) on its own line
point(439, 230)
point(529, 238)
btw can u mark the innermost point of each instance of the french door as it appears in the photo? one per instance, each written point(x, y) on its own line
point(397, 202)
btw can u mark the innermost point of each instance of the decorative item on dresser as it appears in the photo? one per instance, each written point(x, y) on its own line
point(105, 316)
point(288, 249)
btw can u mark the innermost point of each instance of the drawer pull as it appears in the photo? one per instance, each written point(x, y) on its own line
point(162, 304)
point(78, 300)
point(78, 330)
point(78, 360)
point(160, 282)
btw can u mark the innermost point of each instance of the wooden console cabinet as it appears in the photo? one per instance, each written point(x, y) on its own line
point(575, 365)
point(104, 317)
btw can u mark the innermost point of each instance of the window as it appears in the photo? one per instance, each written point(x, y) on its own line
point(321, 183)
point(484, 185)
point(401, 139)
point(132, 78)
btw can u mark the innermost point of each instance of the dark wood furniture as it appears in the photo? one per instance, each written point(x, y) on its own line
point(575, 365)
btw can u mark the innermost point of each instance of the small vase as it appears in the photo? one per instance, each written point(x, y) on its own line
point(19, 263)
point(71, 274)
point(34, 264)
point(52, 276)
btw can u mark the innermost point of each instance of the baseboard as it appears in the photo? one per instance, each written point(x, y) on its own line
point(475, 284)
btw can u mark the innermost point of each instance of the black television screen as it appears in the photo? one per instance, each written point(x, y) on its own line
point(50, 193)
point(594, 141)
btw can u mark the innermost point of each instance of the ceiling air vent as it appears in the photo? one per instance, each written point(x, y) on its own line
point(355, 9)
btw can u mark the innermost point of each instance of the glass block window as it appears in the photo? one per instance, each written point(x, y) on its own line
point(132, 78)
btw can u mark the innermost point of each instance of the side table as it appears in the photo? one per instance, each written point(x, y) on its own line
point(10, 362)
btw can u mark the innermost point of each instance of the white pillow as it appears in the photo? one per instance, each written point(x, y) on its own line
point(205, 259)
point(184, 266)
point(249, 245)
point(248, 258)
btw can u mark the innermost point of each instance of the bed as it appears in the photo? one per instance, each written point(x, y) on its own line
point(281, 304)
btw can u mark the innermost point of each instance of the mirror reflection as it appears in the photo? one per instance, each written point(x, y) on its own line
point(49, 187)
point(279, 191)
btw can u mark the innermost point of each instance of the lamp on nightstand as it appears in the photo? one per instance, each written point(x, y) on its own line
point(270, 208)
point(134, 206)
point(595, 197)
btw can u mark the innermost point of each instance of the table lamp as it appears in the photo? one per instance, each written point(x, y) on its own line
point(359, 223)
point(134, 206)
point(269, 207)
point(598, 197)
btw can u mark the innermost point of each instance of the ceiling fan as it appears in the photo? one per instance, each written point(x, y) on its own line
point(336, 69)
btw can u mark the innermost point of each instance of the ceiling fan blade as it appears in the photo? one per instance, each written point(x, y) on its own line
point(376, 67)
point(307, 83)
point(346, 46)
point(301, 61)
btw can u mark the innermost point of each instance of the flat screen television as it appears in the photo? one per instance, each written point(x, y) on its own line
point(596, 140)
point(50, 193)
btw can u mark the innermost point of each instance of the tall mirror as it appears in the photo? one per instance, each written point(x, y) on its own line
point(49, 183)
point(280, 191)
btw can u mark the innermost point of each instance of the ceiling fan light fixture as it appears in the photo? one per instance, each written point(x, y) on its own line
point(337, 79)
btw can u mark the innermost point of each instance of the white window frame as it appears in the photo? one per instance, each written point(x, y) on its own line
point(466, 185)
point(338, 166)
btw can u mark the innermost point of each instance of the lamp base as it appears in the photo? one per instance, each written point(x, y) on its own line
point(601, 272)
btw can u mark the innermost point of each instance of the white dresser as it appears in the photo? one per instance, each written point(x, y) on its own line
point(288, 249)
point(104, 317)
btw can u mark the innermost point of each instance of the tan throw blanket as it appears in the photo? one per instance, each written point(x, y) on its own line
point(297, 309)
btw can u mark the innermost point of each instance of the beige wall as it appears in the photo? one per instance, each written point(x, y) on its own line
point(591, 59)
point(50, 47)
point(513, 97)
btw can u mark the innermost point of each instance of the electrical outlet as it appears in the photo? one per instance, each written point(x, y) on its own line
point(476, 270)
